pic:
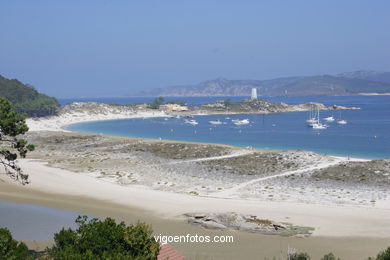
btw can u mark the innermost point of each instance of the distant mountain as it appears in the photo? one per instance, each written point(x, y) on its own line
point(324, 85)
point(380, 76)
point(26, 99)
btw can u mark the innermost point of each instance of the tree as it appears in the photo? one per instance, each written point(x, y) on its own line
point(227, 103)
point(12, 124)
point(157, 102)
point(384, 255)
point(96, 239)
point(11, 249)
point(26, 99)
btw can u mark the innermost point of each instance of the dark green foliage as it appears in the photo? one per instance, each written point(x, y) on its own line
point(12, 124)
point(300, 256)
point(157, 102)
point(26, 99)
point(330, 256)
point(95, 239)
point(11, 249)
point(227, 102)
point(384, 255)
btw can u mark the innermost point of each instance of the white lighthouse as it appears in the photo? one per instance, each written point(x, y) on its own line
point(254, 94)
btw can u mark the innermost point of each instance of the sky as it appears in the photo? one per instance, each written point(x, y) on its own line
point(96, 48)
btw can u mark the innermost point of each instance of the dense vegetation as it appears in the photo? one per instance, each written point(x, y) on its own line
point(12, 124)
point(96, 239)
point(93, 239)
point(11, 249)
point(26, 99)
point(157, 102)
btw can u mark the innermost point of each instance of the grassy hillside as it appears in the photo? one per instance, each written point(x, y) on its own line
point(26, 99)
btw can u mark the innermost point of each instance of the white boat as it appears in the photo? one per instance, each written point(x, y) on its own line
point(191, 122)
point(329, 118)
point(312, 116)
point(216, 122)
point(240, 122)
point(311, 121)
point(341, 121)
point(318, 125)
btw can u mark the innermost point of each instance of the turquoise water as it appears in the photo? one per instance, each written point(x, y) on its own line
point(367, 134)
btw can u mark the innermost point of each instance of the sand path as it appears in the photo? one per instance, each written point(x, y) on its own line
point(230, 192)
point(235, 153)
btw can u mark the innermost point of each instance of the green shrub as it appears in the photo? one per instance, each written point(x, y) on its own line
point(11, 249)
point(300, 256)
point(96, 239)
point(330, 256)
point(384, 255)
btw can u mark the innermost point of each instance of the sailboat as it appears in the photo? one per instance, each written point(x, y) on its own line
point(318, 125)
point(312, 117)
point(341, 121)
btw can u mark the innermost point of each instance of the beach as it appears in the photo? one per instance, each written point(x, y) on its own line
point(335, 226)
point(79, 112)
point(105, 176)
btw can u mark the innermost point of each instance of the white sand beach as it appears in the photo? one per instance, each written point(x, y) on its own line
point(327, 220)
point(87, 112)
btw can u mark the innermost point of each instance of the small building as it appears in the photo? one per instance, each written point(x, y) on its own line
point(254, 94)
point(174, 108)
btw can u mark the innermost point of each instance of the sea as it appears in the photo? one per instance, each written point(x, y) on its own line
point(367, 134)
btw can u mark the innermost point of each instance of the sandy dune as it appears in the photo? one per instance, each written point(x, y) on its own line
point(337, 221)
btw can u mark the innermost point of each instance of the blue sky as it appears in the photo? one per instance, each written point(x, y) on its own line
point(101, 48)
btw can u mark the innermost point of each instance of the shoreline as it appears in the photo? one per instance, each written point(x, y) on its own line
point(328, 220)
point(61, 122)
